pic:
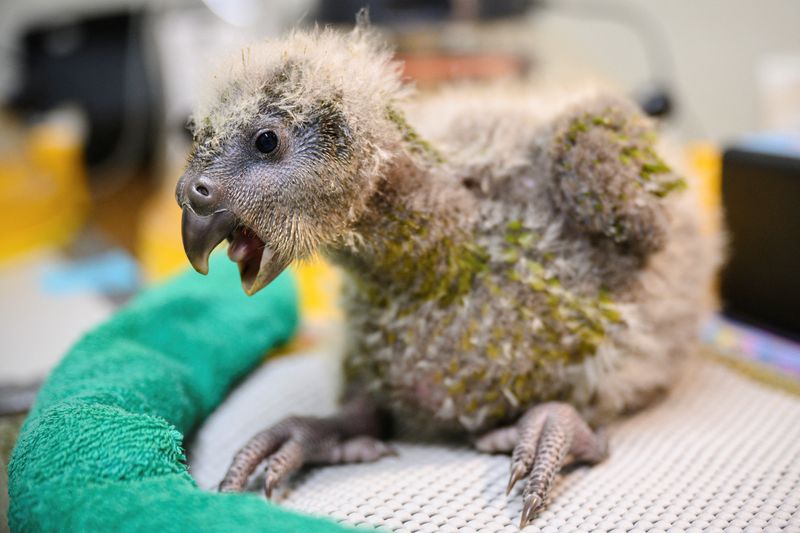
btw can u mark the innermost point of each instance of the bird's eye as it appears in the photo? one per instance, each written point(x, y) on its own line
point(267, 142)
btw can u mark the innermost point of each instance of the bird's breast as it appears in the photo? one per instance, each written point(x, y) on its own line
point(484, 354)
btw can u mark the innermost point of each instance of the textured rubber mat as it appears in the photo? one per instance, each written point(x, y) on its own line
point(720, 453)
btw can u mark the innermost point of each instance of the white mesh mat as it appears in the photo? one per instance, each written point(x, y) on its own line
point(721, 453)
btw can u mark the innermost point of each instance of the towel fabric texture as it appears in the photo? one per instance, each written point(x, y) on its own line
point(103, 447)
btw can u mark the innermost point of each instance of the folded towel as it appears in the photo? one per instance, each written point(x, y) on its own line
point(102, 449)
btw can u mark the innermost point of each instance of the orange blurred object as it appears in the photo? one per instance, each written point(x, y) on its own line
point(431, 69)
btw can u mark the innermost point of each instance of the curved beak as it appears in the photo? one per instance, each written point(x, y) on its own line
point(201, 234)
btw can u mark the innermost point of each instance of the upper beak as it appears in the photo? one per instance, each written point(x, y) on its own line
point(201, 234)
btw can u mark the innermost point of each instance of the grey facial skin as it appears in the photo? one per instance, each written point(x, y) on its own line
point(273, 207)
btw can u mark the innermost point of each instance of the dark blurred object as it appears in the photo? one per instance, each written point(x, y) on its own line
point(430, 55)
point(16, 398)
point(101, 65)
point(395, 12)
point(656, 103)
point(761, 198)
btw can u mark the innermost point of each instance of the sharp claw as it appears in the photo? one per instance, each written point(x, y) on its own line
point(227, 485)
point(269, 484)
point(516, 475)
point(529, 509)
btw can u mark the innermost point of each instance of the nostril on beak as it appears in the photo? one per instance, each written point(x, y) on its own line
point(202, 195)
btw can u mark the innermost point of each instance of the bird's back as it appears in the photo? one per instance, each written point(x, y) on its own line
point(540, 318)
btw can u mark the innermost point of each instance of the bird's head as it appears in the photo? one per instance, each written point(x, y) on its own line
point(288, 146)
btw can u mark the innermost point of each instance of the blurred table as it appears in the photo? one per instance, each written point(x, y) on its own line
point(37, 326)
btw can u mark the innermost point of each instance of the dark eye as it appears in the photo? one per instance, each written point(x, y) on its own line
point(267, 142)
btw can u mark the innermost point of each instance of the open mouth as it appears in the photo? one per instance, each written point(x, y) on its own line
point(252, 256)
point(258, 263)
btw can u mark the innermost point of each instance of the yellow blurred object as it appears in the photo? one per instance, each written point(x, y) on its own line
point(44, 198)
point(705, 161)
point(159, 247)
point(319, 284)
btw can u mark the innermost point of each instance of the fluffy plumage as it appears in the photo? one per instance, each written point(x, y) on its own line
point(589, 268)
point(503, 248)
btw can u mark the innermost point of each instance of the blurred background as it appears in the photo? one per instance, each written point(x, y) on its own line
point(95, 96)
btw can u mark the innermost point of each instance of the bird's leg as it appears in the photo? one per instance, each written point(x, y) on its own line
point(351, 436)
point(543, 440)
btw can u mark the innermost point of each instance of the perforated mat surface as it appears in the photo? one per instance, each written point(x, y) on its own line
point(720, 453)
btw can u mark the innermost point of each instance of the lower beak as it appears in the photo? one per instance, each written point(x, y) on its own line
point(269, 266)
point(201, 234)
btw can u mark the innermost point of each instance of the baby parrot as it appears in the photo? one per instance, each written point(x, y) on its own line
point(520, 269)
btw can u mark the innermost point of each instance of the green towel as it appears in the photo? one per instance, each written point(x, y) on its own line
point(102, 449)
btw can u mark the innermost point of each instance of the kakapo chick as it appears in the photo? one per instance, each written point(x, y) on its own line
point(519, 270)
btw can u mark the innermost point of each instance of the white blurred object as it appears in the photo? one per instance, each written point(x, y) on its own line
point(260, 13)
point(778, 81)
point(190, 41)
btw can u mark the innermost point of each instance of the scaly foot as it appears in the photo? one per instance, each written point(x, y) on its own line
point(349, 437)
point(544, 439)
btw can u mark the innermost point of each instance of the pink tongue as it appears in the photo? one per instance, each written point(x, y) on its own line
point(244, 246)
